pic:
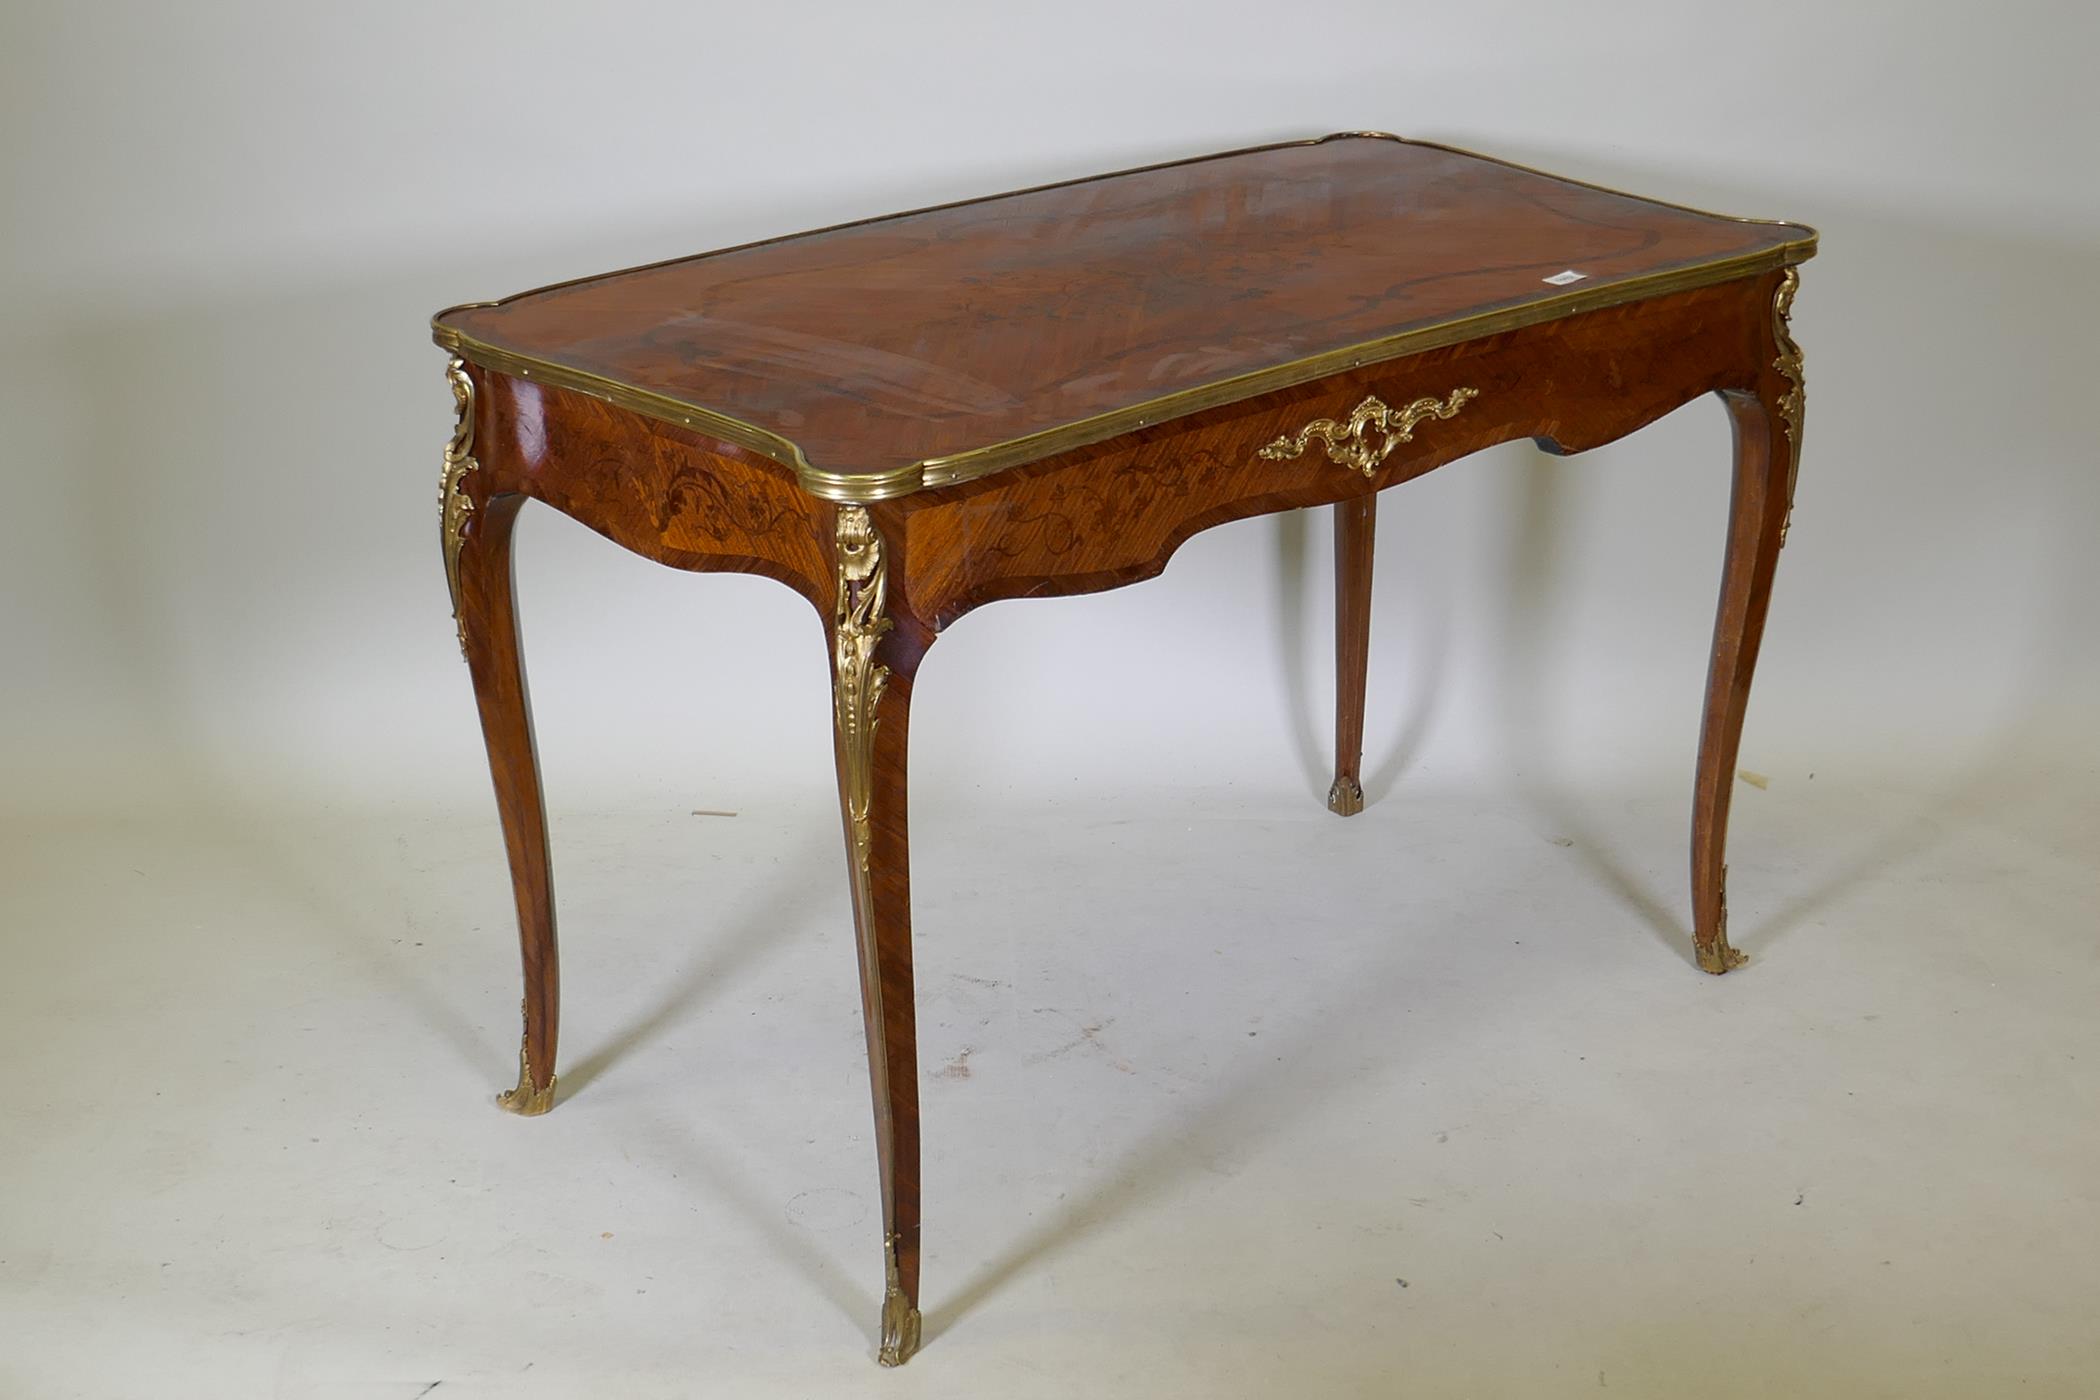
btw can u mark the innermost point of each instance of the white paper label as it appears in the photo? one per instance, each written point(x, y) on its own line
point(1562, 279)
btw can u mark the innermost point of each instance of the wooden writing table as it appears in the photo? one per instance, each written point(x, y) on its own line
point(1046, 393)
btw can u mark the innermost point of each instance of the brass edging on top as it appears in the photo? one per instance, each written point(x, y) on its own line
point(641, 401)
point(1808, 243)
point(979, 461)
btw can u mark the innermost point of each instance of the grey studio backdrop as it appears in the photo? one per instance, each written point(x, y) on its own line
point(258, 973)
point(227, 227)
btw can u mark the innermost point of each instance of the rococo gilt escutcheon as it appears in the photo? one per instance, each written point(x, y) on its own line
point(1046, 393)
point(1371, 432)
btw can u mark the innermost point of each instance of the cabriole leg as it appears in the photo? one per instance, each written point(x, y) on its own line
point(1355, 524)
point(872, 710)
point(477, 541)
point(1767, 428)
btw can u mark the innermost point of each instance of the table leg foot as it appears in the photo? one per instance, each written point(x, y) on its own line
point(1710, 945)
point(1346, 797)
point(900, 1319)
point(1719, 956)
point(531, 1098)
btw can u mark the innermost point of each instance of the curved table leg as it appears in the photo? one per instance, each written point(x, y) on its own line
point(1766, 430)
point(488, 626)
point(872, 710)
point(1355, 525)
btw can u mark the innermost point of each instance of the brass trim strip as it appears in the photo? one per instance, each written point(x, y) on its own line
point(979, 461)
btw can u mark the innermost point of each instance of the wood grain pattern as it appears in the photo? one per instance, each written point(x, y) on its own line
point(1114, 513)
point(927, 335)
point(665, 492)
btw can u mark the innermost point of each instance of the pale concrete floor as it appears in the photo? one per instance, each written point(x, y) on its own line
point(1223, 1097)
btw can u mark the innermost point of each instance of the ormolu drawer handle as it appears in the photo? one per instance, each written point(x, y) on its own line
point(1352, 443)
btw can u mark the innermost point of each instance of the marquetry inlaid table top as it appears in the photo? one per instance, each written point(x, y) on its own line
point(931, 347)
point(1048, 392)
